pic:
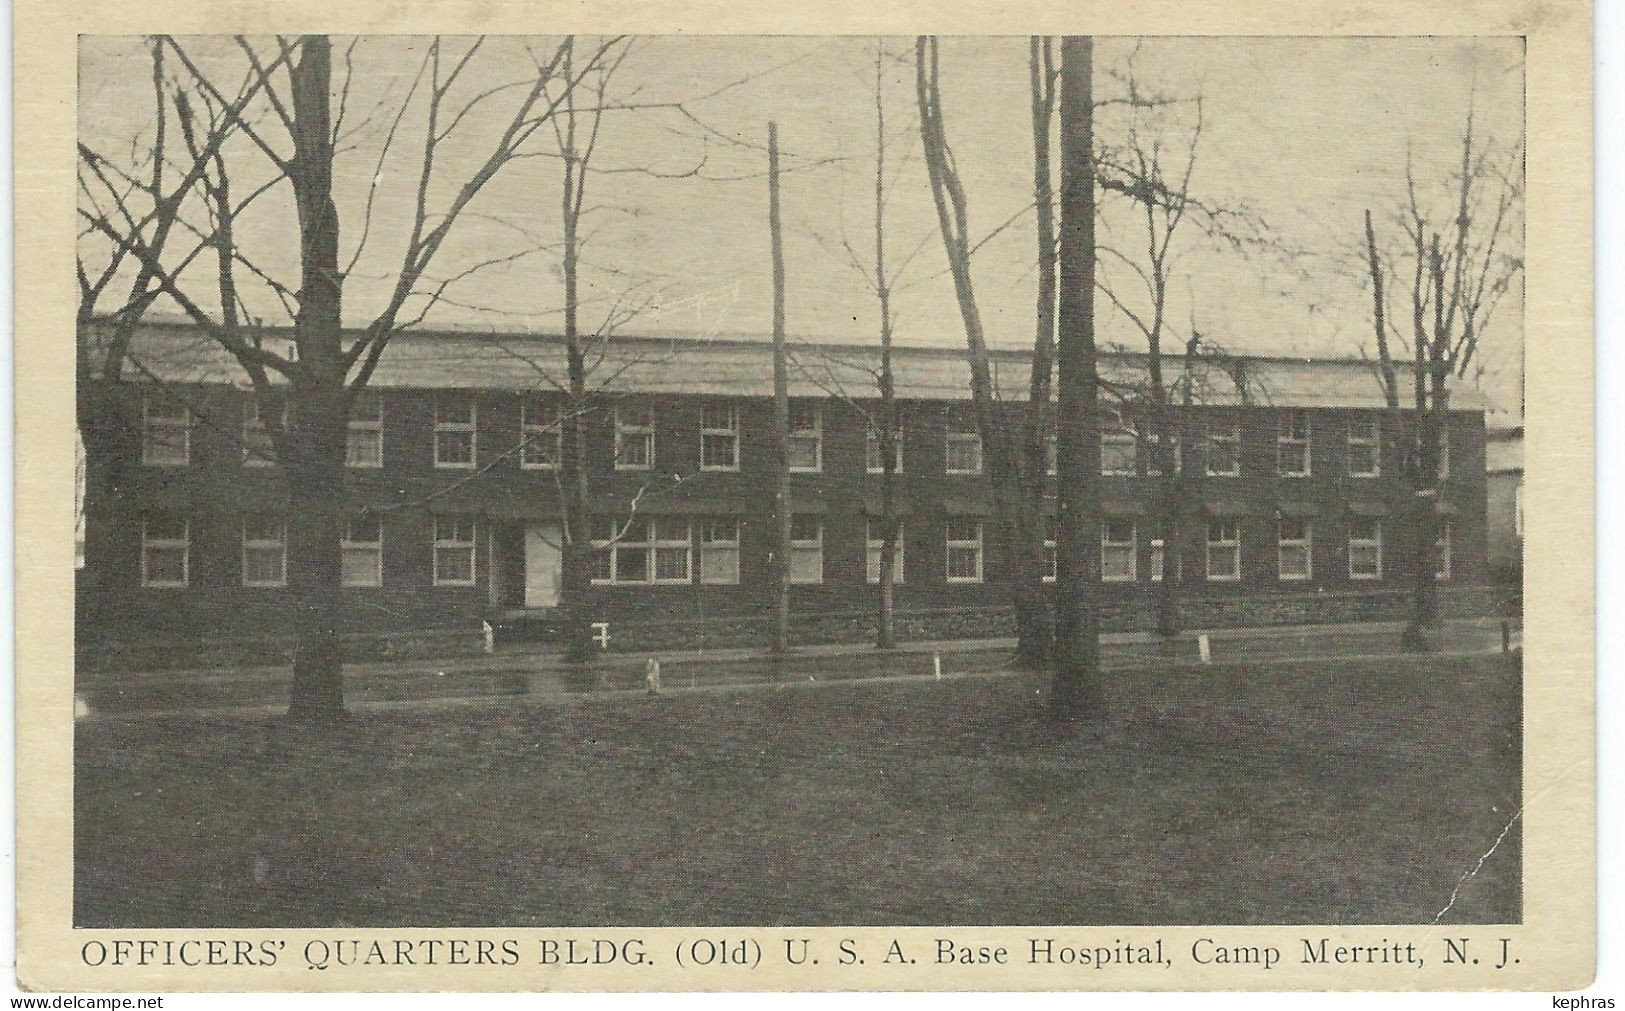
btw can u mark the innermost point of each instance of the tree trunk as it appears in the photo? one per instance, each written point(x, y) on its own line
point(314, 468)
point(1077, 692)
point(781, 407)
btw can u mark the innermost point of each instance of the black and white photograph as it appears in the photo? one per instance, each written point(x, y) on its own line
point(798, 480)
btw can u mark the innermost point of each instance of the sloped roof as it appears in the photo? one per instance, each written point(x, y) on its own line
point(734, 366)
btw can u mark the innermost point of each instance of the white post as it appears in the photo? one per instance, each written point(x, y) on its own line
point(936, 665)
point(651, 676)
point(490, 637)
point(1204, 648)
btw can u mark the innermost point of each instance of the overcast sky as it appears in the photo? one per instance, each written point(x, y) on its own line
point(1306, 133)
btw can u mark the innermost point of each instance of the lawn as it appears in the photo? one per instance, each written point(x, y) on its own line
point(1347, 791)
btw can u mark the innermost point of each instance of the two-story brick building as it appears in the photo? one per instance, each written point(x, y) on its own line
point(453, 492)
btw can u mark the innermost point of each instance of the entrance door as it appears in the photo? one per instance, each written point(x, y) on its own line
point(544, 562)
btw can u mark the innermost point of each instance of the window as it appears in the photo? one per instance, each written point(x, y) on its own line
point(364, 440)
point(258, 450)
point(719, 550)
point(454, 422)
point(1117, 550)
point(806, 438)
point(166, 432)
point(873, 462)
point(964, 453)
point(1223, 551)
point(876, 542)
point(719, 437)
point(1294, 536)
point(1051, 554)
point(1224, 447)
point(265, 551)
point(634, 438)
point(1292, 457)
point(1441, 548)
point(1365, 549)
point(806, 549)
point(165, 551)
point(541, 436)
point(1365, 447)
point(363, 551)
point(964, 551)
point(655, 549)
point(453, 551)
point(1153, 463)
point(1119, 446)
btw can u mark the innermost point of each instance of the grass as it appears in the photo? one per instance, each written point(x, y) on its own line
point(1349, 791)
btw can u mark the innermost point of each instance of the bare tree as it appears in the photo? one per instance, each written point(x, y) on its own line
point(1019, 556)
point(327, 368)
point(1456, 265)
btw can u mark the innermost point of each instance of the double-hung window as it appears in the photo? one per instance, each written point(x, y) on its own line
point(364, 437)
point(1117, 549)
point(1224, 447)
point(1295, 537)
point(964, 543)
point(265, 551)
point(806, 549)
point(1365, 548)
point(166, 432)
point(719, 437)
point(719, 550)
point(873, 460)
point(1051, 552)
point(1365, 447)
point(657, 549)
point(165, 551)
point(1223, 551)
point(1119, 446)
point(876, 543)
point(964, 455)
point(454, 550)
point(363, 551)
point(258, 449)
point(806, 438)
point(1292, 444)
point(541, 436)
point(634, 437)
point(455, 419)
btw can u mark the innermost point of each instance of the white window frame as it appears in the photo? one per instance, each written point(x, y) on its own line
point(534, 435)
point(712, 547)
point(873, 462)
point(1231, 437)
point(962, 544)
point(953, 439)
point(729, 431)
point(658, 543)
point(263, 544)
point(1366, 433)
point(815, 435)
point(1051, 560)
point(626, 431)
point(873, 547)
point(650, 544)
point(456, 543)
point(356, 426)
point(1151, 467)
point(150, 543)
point(1442, 550)
point(258, 449)
point(151, 424)
point(1114, 436)
point(803, 547)
point(1108, 544)
point(1306, 543)
point(1294, 433)
point(350, 546)
point(469, 428)
point(1231, 545)
point(1365, 542)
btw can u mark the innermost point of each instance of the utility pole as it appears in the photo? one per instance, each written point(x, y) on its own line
point(781, 405)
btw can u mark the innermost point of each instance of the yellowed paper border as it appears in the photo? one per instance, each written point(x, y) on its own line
point(1552, 950)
